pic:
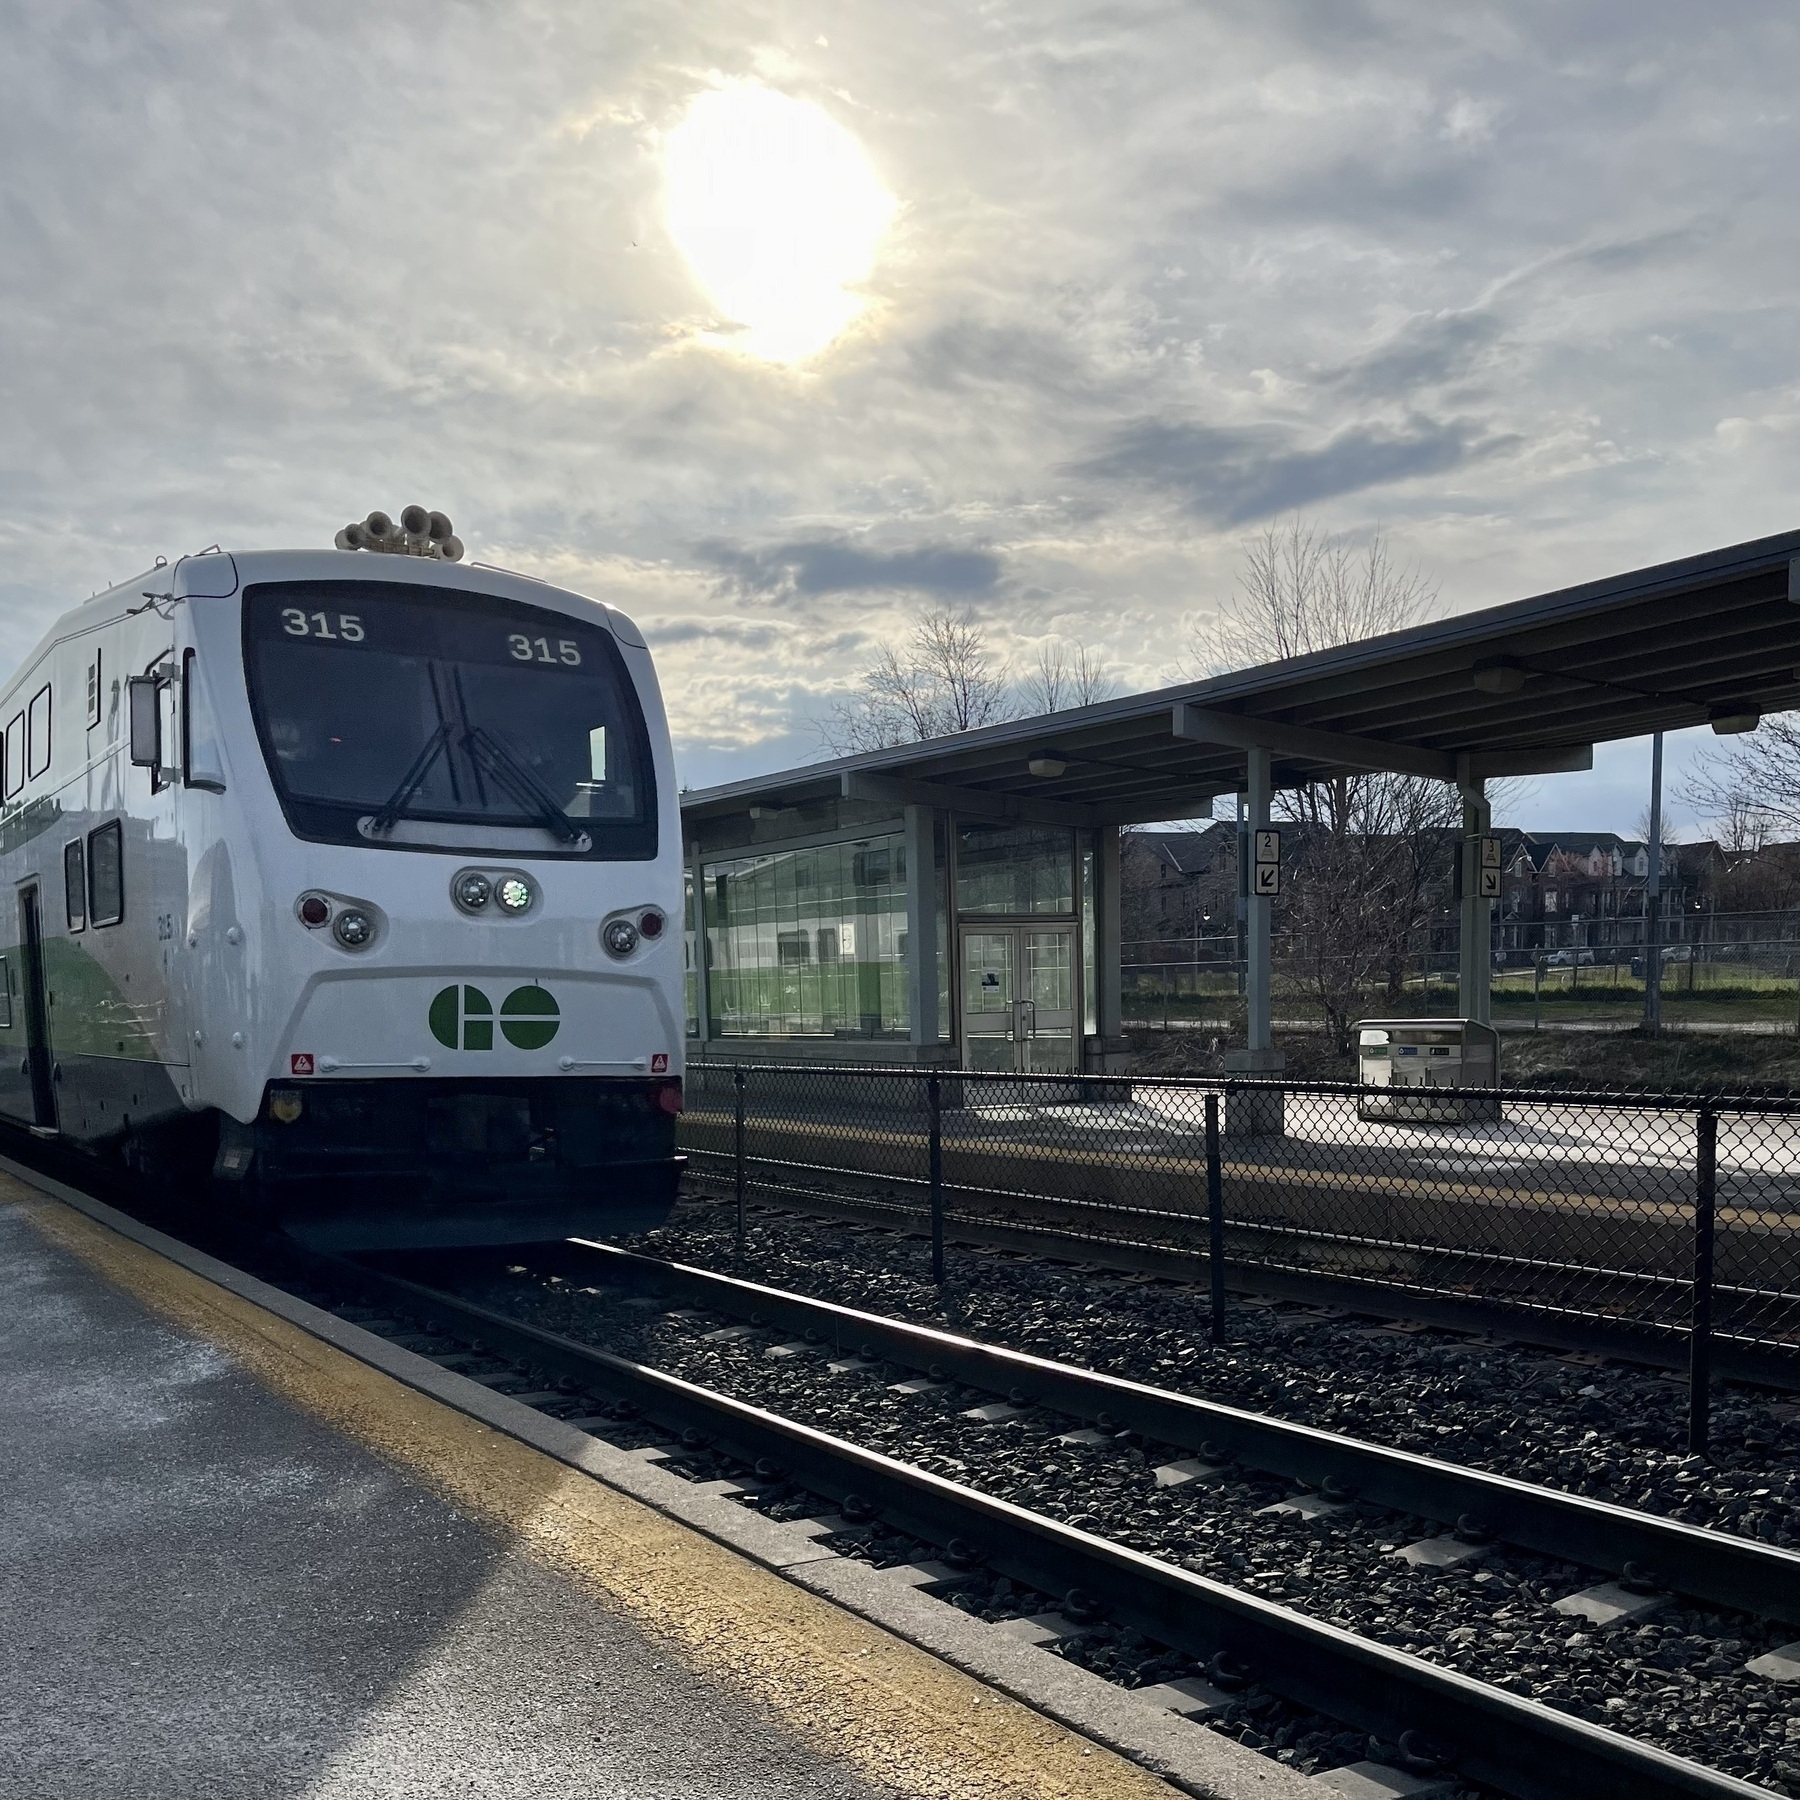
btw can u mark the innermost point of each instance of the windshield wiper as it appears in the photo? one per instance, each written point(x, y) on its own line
point(522, 783)
point(414, 779)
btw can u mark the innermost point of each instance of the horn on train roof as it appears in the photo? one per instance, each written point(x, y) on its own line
point(419, 533)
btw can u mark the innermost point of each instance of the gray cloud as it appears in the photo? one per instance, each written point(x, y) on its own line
point(831, 566)
point(1522, 278)
point(1233, 476)
point(1425, 352)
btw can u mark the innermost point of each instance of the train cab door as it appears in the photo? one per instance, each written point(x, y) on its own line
point(37, 1009)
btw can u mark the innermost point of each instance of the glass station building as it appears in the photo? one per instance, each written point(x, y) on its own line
point(848, 930)
point(956, 902)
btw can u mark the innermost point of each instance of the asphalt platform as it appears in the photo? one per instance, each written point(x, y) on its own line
point(237, 1561)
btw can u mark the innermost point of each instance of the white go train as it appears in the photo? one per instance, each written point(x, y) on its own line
point(348, 888)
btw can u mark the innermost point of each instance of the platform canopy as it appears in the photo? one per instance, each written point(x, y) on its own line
point(1520, 689)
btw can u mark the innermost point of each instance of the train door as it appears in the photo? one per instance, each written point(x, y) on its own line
point(37, 1009)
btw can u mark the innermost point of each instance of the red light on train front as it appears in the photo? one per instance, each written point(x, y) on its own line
point(314, 910)
point(668, 1097)
point(651, 924)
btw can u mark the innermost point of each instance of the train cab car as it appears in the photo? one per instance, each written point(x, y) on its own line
point(346, 886)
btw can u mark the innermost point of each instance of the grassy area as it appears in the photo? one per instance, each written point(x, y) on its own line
point(1725, 994)
point(1527, 1059)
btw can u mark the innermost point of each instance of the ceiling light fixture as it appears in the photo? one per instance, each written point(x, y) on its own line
point(1498, 677)
point(1727, 721)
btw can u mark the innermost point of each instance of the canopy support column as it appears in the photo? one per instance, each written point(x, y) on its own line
point(1475, 978)
point(921, 924)
point(1260, 1112)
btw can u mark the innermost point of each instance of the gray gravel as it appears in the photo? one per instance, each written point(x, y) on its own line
point(1677, 1680)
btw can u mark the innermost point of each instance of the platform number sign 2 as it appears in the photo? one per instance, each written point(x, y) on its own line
point(1266, 870)
point(1490, 869)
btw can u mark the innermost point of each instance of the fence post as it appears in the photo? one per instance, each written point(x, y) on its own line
point(1706, 1155)
point(737, 1082)
point(1215, 1219)
point(1537, 992)
point(934, 1107)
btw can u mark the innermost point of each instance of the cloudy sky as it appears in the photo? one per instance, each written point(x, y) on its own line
point(774, 323)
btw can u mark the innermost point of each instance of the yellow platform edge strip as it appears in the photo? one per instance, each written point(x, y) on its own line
point(851, 1691)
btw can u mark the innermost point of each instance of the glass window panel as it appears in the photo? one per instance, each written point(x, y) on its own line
point(75, 884)
point(1014, 869)
point(808, 942)
point(40, 732)
point(106, 874)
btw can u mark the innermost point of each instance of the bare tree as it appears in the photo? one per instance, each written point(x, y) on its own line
point(1372, 852)
point(1750, 786)
point(1302, 591)
point(944, 680)
point(1063, 679)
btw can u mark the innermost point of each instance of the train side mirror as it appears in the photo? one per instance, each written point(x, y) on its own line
point(140, 693)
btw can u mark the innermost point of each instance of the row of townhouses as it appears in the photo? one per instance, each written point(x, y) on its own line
point(1558, 889)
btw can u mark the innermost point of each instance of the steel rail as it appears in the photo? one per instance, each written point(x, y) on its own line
point(1713, 1566)
point(1527, 1750)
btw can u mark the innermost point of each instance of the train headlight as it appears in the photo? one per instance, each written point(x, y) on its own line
point(472, 891)
point(285, 1105)
point(514, 894)
point(353, 928)
point(620, 937)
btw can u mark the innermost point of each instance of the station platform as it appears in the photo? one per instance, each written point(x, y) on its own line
point(240, 1559)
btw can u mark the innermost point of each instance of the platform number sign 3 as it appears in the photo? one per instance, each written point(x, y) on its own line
point(1266, 870)
point(1490, 869)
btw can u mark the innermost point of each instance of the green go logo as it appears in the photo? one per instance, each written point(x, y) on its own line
point(462, 1017)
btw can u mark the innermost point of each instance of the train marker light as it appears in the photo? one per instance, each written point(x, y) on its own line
point(353, 928)
point(314, 910)
point(514, 894)
point(620, 937)
point(472, 891)
point(651, 924)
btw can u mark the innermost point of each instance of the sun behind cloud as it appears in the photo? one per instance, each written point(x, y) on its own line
point(779, 214)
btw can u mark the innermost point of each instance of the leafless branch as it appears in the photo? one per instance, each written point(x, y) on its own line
point(945, 680)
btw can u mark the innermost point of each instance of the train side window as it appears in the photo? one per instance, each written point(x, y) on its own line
point(106, 874)
point(5, 994)
point(75, 884)
point(40, 731)
point(94, 690)
point(15, 755)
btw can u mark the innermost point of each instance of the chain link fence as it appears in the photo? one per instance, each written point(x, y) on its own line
point(1674, 1218)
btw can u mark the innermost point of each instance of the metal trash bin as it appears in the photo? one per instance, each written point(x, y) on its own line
point(1402, 1063)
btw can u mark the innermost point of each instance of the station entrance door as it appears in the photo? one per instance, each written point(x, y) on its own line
point(1020, 1009)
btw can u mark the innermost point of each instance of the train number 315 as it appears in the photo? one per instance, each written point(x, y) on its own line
point(527, 649)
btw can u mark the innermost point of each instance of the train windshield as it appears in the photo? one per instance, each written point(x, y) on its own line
point(402, 715)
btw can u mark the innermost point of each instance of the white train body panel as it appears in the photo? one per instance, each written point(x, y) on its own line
point(209, 993)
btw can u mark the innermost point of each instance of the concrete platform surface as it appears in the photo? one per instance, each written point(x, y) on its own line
point(206, 1592)
point(236, 1562)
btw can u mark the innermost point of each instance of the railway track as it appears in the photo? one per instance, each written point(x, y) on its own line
point(1712, 1566)
point(1485, 1733)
